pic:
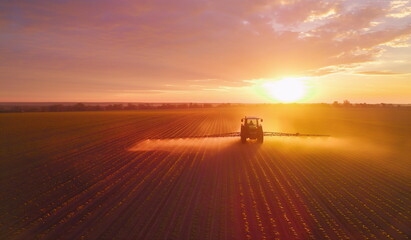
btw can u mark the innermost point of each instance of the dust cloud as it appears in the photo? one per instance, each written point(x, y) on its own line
point(333, 143)
point(182, 144)
point(354, 145)
point(231, 146)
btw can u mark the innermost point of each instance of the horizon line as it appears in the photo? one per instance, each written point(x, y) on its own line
point(125, 102)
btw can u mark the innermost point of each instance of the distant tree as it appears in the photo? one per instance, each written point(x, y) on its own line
point(114, 107)
point(347, 103)
point(16, 109)
point(130, 106)
point(143, 106)
point(164, 106)
point(79, 107)
point(55, 108)
point(225, 105)
point(183, 105)
point(194, 105)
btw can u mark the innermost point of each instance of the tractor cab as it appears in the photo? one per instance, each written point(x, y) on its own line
point(252, 122)
point(251, 128)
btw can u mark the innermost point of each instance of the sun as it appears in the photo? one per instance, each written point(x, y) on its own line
point(286, 90)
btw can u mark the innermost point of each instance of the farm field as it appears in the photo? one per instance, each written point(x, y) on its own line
point(128, 175)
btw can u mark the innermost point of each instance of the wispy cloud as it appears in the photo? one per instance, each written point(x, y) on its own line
point(381, 73)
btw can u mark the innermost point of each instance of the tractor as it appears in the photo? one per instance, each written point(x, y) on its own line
point(251, 128)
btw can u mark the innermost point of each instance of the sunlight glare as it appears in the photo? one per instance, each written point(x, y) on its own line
point(286, 90)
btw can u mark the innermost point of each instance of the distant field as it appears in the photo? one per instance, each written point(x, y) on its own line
point(94, 175)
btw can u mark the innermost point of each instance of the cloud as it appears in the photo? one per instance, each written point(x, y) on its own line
point(381, 73)
point(400, 9)
point(354, 20)
point(298, 12)
point(401, 41)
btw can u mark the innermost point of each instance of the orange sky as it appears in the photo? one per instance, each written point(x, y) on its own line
point(204, 51)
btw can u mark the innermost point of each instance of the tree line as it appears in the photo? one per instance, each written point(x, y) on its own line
point(79, 107)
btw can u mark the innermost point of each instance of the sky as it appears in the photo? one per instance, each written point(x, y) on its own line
point(204, 51)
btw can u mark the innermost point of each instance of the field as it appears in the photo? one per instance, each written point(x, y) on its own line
point(127, 175)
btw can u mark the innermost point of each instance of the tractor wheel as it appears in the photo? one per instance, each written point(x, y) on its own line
point(242, 134)
point(260, 139)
